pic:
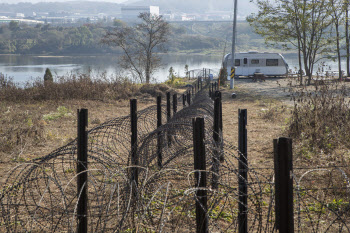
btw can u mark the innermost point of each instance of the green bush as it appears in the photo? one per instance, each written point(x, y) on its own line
point(48, 75)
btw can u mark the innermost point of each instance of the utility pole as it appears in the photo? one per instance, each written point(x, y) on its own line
point(232, 74)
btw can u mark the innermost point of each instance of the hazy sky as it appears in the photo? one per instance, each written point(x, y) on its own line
point(35, 1)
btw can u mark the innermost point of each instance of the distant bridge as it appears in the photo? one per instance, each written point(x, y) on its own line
point(205, 72)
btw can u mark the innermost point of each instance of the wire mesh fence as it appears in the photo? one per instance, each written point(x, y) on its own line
point(43, 195)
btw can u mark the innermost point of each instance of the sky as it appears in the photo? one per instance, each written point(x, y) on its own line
point(36, 1)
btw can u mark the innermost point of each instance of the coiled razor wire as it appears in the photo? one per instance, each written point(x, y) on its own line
point(42, 196)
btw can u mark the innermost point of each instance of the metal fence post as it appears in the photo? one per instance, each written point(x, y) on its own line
point(212, 91)
point(283, 161)
point(189, 98)
point(159, 136)
point(168, 112)
point(168, 107)
point(243, 167)
point(217, 146)
point(200, 175)
point(183, 100)
point(174, 103)
point(134, 159)
point(82, 176)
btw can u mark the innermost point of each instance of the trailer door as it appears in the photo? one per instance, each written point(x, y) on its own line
point(254, 66)
point(245, 67)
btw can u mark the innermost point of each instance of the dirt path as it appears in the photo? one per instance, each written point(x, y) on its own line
point(271, 88)
point(267, 104)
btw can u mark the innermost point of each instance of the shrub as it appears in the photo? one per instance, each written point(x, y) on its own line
point(175, 82)
point(223, 76)
point(48, 76)
point(320, 118)
point(80, 86)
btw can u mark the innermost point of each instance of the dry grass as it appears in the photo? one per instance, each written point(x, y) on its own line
point(38, 118)
point(76, 87)
point(266, 121)
point(319, 123)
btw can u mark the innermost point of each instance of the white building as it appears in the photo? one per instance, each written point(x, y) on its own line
point(130, 13)
point(19, 15)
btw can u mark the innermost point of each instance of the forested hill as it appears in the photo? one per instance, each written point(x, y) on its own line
point(190, 38)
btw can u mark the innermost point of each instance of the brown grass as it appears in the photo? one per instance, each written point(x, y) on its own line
point(39, 117)
point(76, 87)
point(319, 123)
point(266, 117)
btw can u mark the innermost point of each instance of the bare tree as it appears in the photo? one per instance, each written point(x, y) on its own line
point(140, 45)
point(346, 10)
point(337, 14)
point(301, 24)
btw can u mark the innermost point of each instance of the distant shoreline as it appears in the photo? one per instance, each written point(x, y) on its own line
point(203, 53)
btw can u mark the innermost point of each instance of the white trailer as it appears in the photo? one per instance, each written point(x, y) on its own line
point(249, 63)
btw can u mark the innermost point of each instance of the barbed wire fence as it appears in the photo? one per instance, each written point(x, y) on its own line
point(179, 176)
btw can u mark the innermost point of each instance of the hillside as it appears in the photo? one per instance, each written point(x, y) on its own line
point(197, 6)
point(111, 8)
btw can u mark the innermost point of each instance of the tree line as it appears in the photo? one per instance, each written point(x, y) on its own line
point(57, 40)
point(18, 38)
point(314, 28)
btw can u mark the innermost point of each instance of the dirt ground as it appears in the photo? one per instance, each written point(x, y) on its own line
point(267, 105)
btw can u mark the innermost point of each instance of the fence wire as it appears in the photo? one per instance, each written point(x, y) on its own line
point(42, 196)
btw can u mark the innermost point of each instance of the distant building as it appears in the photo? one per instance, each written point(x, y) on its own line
point(187, 17)
point(19, 15)
point(130, 13)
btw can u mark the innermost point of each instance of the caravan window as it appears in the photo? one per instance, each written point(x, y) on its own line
point(254, 61)
point(245, 61)
point(237, 62)
point(271, 62)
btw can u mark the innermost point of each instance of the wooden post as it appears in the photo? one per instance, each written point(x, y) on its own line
point(159, 136)
point(183, 100)
point(200, 175)
point(283, 162)
point(243, 167)
point(82, 176)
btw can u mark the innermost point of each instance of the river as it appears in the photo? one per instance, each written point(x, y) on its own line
point(26, 67)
